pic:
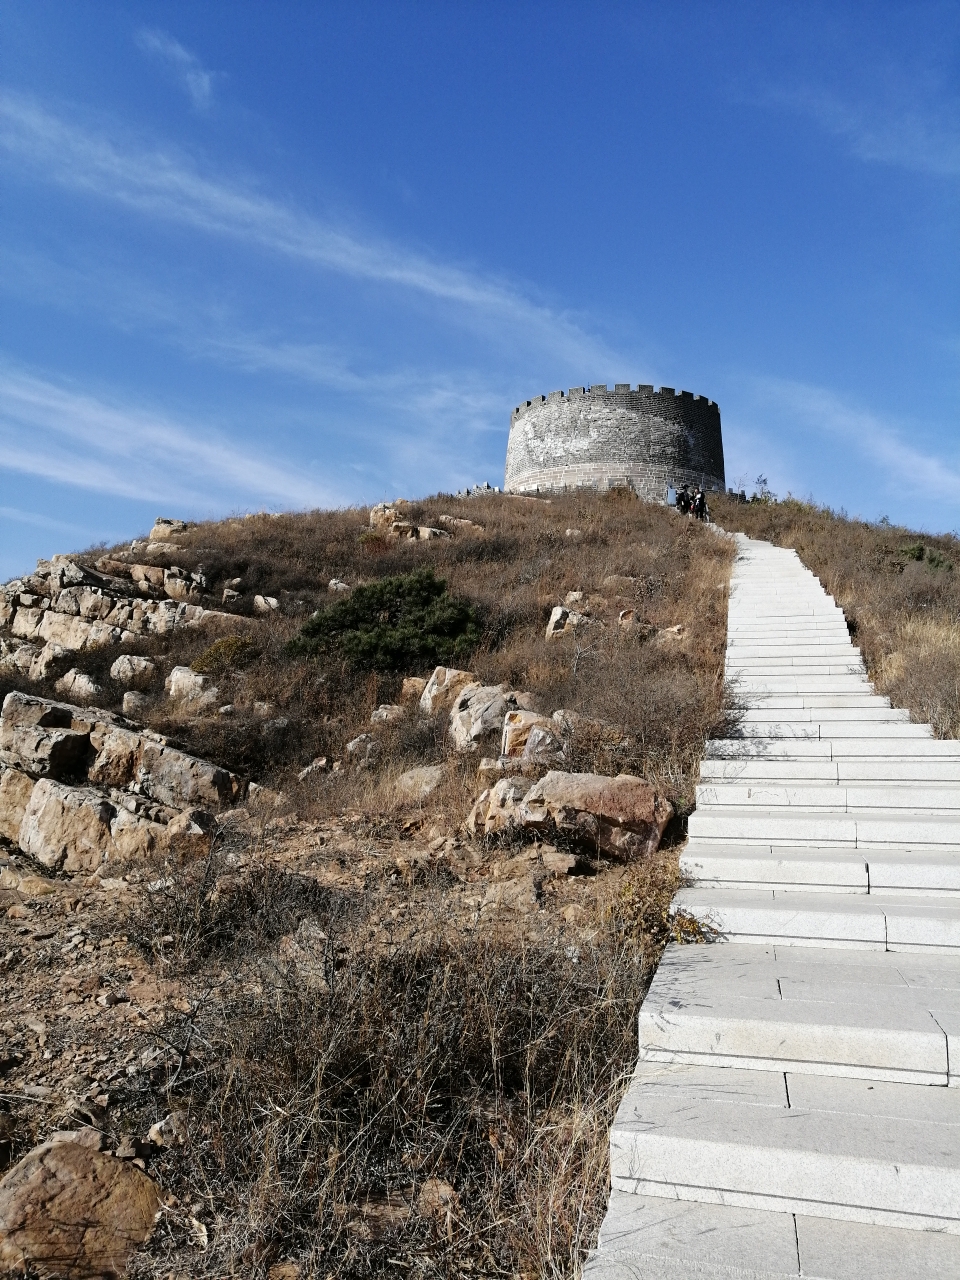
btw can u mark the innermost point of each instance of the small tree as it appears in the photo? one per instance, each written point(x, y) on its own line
point(406, 623)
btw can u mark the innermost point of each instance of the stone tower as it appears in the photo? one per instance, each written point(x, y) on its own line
point(642, 439)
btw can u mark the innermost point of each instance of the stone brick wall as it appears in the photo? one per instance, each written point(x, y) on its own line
point(590, 437)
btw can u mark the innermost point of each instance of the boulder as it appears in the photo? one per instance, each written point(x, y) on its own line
point(77, 684)
point(265, 604)
point(67, 828)
point(622, 816)
point(174, 778)
point(425, 533)
point(517, 728)
point(117, 755)
point(478, 711)
point(497, 807)
point(44, 753)
point(442, 689)
point(147, 576)
point(179, 585)
point(362, 750)
point(185, 684)
point(383, 515)
point(338, 587)
point(135, 704)
point(15, 791)
point(164, 529)
point(229, 595)
point(417, 784)
point(130, 670)
point(564, 620)
point(71, 1211)
point(459, 524)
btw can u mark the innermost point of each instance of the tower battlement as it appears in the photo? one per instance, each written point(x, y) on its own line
point(596, 437)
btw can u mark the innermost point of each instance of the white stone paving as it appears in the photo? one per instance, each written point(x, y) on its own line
point(793, 1112)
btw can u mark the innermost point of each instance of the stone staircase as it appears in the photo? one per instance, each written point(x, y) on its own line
point(792, 1112)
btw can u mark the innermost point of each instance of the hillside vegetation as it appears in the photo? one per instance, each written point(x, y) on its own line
point(351, 1039)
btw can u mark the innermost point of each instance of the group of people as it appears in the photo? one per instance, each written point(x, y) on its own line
point(692, 504)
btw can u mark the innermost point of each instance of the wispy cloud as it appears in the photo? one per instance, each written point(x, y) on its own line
point(74, 438)
point(164, 184)
point(39, 521)
point(924, 138)
point(186, 66)
point(881, 444)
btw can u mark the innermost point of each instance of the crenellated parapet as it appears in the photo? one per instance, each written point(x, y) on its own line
point(594, 437)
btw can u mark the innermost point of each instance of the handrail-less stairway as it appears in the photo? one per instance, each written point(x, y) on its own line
point(791, 1113)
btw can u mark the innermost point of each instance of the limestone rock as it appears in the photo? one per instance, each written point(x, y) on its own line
point(387, 713)
point(70, 1211)
point(130, 670)
point(442, 689)
point(134, 704)
point(118, 754)
point(180, 780)
point(459, 525)
point(229, 595)
point(362, 750)
point(147, 577)
point(337, 587)
point(17, 659)
point(265, 604)
point(517, 728)
point(15, 791)
point(621, 816)
point(164, 529)
point(412, 690)
point(77, 684)
point(383, 515)
point(67, 828)
point(26, 623)
point(478, 711)
point(187, 685)
point(180, 585)
point(45, 660)
point(417, 784)
point(497, 807)
point(563, 620)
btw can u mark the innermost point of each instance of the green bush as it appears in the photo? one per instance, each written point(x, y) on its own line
point(224, 655)
point(407, 623)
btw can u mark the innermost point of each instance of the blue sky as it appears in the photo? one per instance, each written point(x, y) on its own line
point(286, 255)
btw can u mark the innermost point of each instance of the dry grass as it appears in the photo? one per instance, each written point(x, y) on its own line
point(900, 591)
point(667, 697)
point(385, 1067)
point(419, 1090)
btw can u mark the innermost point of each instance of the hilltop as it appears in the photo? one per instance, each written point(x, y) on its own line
point(295, 926)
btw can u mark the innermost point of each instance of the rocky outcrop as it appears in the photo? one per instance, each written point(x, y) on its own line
point(65, 607)
point(621, 817)
point(442, 689)
point(79, 785)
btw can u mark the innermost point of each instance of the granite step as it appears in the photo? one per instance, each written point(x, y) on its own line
point(882, 1153)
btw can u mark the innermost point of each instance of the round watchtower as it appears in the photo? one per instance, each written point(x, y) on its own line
point(640, 439)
